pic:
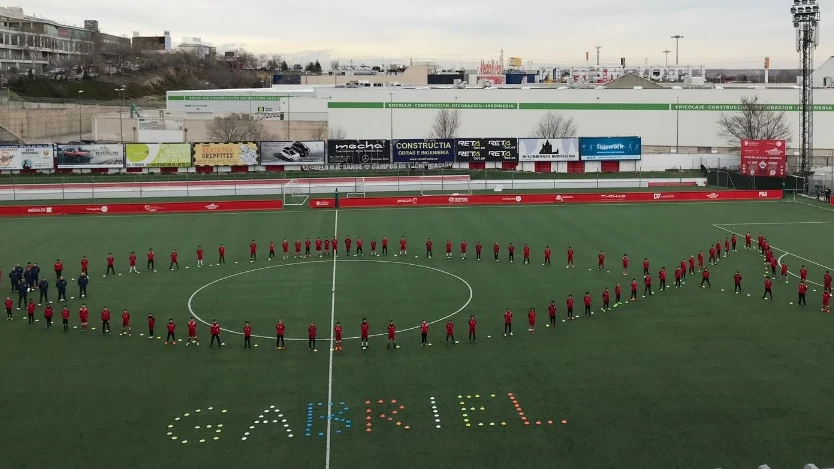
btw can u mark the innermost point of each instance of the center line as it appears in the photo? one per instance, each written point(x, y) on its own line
point(331, 344)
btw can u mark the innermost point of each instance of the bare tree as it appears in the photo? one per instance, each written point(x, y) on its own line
point(274, 62)
point(446, 123)
point(555, 125)
point(319, 131)
point(336, 133)
point(754, 121)
point(236, 128)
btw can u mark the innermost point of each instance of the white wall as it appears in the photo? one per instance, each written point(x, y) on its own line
point(686, 127)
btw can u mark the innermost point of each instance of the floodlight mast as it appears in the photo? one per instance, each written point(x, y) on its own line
point(806, 17)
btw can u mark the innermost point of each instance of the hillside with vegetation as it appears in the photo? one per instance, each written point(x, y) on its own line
point(145, 77)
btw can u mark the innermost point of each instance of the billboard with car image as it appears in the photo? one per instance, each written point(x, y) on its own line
point(293, 152)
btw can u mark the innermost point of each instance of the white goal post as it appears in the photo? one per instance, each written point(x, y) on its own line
point(294, 193)
point(358, 188)
point(434, 185)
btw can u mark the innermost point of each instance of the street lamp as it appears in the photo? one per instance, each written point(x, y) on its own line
point(121, 109)
point(80, 92)
point(667, 52)
point(677, 38)
point(391, 115)
point(806, 18)
point(288, 117)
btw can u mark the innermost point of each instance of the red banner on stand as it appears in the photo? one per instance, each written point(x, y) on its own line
point(764, 158)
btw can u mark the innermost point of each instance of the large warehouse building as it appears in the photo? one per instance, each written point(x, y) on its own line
point(662, 117)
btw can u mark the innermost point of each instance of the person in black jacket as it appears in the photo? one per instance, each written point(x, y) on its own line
point(29, 276)
point(83, 281)
point(36, 272)
point(61, 284)
point(43, 286)
point(14, 279)
point(22, 293)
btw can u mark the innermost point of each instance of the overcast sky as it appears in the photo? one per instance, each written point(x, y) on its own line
point(718, 33)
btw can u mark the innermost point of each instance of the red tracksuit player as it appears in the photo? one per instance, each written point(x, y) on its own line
point(768, 289)
point(551, 314)
point(569, 306)
point(508, 322)
point(450, 333)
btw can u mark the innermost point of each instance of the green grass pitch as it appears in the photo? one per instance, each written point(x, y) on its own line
point(687, 378)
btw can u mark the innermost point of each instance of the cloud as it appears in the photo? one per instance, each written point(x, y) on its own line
point(460, 31)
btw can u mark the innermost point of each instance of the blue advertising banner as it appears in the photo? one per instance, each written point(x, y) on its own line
point(424, 151)
point(610, 148)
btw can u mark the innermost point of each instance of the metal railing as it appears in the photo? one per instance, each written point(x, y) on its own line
point(325, 181)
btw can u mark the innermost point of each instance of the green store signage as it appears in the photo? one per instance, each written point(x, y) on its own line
point(225, 98)
point(570, 106)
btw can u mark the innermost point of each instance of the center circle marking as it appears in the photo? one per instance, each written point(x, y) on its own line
point(407, 329)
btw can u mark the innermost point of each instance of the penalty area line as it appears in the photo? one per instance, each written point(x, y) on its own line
point(785, 253)
point(777, 223)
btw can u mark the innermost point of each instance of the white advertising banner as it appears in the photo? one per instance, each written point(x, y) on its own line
point(26, 157)
point(548, 149)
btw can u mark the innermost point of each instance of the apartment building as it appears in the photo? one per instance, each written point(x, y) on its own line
point(38, 44)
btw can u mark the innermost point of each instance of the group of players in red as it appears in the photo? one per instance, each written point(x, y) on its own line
point(773, 264)
point(330, 246)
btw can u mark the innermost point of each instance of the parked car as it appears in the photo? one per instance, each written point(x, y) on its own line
point(301, 149)
point(73, 155)
point(289, 154)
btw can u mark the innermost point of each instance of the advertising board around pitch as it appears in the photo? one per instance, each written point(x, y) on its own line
point(157, 155)
point(91, 156)
point(486, 149)
point(610, 148)
point(548, 149)
point(17, 157)
point(358, 151)
point(226, 154)
point(424, 151)
point(307, 153)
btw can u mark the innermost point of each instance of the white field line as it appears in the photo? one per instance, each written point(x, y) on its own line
point(785, 253)
point(331, 351)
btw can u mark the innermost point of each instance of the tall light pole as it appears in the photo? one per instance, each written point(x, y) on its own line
point(391, 115)
point(288, 117)
point(80, 111)
point(667, 52)
point(806, 18)
point(677, 38)
point(121, 92)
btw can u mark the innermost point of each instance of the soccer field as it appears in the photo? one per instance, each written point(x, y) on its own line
point(690, 377)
